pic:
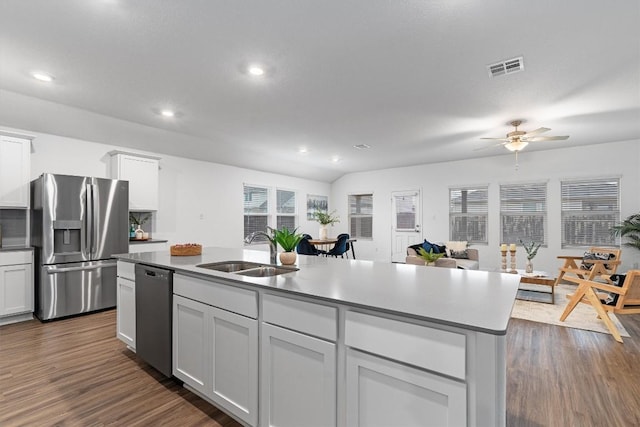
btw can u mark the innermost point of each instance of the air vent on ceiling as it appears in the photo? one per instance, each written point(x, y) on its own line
point(509, 66)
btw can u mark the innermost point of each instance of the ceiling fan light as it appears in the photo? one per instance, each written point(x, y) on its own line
point(516, 145)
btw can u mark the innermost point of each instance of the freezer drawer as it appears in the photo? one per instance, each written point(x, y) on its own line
point(74, 288)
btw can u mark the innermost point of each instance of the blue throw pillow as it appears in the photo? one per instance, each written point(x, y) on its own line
point(428, 246)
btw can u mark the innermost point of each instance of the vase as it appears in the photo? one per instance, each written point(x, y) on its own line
point(323, 232)
point(528, 267)
point(287, 258)
point(139, 233)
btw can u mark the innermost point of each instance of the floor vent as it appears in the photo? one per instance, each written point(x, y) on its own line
point(509, 66)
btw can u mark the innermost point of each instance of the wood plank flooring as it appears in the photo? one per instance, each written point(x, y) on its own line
point(74, 372)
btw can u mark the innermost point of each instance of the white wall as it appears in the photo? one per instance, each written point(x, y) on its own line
point(621, 159)
point(199, 202)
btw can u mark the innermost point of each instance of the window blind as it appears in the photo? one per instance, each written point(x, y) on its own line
point(285, 209)
point(256, 210)
point(468, 214)
point(361, 216)
point(523, 213)
point(590, 208)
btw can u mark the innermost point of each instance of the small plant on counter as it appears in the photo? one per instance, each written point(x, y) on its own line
point(326, 218)
point(288, 240)
point(429, 257)
point(530, 248)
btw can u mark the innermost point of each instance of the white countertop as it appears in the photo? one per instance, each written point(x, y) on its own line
point(471, 299)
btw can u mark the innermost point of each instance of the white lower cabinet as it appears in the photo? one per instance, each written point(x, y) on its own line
point(383, 393)
point(16, 283)
point(126, 304)
point(216, 354)
point(126, 312)
point(298, 377)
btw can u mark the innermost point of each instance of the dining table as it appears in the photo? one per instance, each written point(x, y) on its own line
point(327, 244)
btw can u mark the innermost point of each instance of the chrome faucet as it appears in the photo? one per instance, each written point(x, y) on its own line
point(272, 244)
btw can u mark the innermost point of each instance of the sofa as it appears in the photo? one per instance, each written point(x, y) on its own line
point(457, 255)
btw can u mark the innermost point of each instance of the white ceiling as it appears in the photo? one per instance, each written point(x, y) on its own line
point(408, 78)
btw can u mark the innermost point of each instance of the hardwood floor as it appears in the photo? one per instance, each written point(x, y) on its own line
point(74, 372)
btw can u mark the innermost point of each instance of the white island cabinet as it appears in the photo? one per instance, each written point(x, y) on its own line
point(215, 344)
point(341, 343)
point(298, 363)
point(126, 304)
point(16, 286)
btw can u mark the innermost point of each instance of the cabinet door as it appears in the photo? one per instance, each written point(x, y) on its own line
point(298, 374)
point(14, 172)
point(142, 174)
point(233, 344)
point(16, 289)
point(384, 393)
point(190, 349)
point(126, 312)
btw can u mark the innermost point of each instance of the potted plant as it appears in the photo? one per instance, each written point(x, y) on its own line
point(325, 218)
point(288, 241)
point(531, 249)
point(629, 228)
point(429, 257)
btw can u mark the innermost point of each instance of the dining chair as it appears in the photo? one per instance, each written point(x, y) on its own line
point(348, 244)
point(340, 247)
point(306, 248)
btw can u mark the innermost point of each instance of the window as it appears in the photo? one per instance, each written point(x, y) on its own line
point(523, 213)
point(468, 214)
point(285, 209)
point(260, 209)
point(361, 216)
point(256, 209)
point(589, 209)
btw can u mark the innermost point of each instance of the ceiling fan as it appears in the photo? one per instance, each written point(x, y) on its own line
point(518, 139)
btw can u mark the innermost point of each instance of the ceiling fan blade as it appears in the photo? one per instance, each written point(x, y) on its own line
point(537, 131)
point(548, 138)
point(498, 139)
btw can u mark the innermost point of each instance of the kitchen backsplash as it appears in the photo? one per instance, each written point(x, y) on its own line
point(13, 227)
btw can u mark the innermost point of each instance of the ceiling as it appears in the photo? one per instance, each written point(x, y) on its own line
point(408, 78)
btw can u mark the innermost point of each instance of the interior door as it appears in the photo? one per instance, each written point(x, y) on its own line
point(405, 222)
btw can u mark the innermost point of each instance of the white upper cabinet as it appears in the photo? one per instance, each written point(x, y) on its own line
point(142, 173)
point(15, 152)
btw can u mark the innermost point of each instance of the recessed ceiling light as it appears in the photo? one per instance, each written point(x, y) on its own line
point(303, 150)
point(167, 113)
point(362, 146)
point(256, 70)
point(335, 159)
point(43, 77)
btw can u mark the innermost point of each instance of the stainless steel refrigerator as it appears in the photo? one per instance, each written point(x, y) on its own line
point(77, 224)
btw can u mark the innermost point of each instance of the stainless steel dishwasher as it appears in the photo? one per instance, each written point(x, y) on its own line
point(154, 294)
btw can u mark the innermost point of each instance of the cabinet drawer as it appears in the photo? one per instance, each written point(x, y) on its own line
point(16, 257)
point(429, 348)
point(310, 318)
point(127, 270)
point(226, 297)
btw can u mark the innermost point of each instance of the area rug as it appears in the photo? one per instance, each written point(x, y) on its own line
point(582, 317)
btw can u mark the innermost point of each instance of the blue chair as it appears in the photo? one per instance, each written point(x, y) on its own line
point(348, 245)
point(340, 247)
point(306, 248)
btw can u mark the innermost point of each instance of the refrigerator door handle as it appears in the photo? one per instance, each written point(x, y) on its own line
point(90, 224)
point(53, 270)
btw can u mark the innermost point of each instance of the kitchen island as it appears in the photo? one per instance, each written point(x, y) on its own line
point(340, 342)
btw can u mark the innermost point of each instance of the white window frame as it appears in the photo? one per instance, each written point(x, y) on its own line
point(273, 211)
point(357, 216)
point(476, 213)
point(591, 199)
point(527, 204)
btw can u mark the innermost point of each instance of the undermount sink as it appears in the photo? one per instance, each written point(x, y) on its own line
point(267, 271)
point(247, 268)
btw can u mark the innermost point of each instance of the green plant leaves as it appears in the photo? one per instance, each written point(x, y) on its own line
point(288, 240)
